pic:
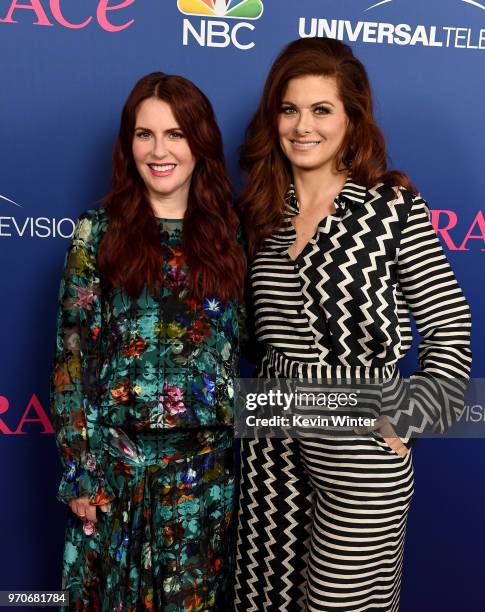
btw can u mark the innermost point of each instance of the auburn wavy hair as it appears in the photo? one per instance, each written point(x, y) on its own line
point(130, 254)
point(268, 171)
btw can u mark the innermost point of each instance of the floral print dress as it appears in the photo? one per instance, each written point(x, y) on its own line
point(142, 404)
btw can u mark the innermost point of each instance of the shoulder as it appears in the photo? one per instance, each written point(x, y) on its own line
point(391, 194)
point(90, 228)
point(95, 218)
point(401, 200)
point(416, 206)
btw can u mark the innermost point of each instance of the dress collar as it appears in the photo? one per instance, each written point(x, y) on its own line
point(351, 193)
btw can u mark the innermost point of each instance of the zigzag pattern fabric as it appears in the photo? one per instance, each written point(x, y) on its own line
point(275, 513)
point(342, 308)
point(322, 520)
point(322, 525)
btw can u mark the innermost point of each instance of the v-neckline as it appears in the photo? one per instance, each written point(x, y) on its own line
point(323, 227)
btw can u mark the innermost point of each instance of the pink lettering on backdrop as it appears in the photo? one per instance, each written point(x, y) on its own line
point(34, 404)
point(59, 17)
point(444, 231)
point(32, 5)
point(4, 404)
point(444, 221)
point(104, 7)
point(102, 11)
point(480, 221)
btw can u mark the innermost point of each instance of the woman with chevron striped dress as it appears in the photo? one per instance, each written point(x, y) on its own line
point(342, 251)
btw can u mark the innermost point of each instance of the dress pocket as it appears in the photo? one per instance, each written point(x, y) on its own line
point(385, 443)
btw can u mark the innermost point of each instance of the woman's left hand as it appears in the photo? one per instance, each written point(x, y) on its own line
point(386, 430)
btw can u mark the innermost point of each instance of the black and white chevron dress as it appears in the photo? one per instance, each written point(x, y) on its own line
point(322, 520)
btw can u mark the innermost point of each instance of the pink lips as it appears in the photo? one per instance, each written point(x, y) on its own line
point(161, 174)
point(303, 146)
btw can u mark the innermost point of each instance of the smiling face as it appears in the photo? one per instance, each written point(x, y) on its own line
point(312, 123)
point(161, 152)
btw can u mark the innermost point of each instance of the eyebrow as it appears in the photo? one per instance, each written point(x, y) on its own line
point(172, 129)
point(312, 105)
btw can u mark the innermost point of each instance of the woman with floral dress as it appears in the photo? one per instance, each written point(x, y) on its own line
point(142, 385)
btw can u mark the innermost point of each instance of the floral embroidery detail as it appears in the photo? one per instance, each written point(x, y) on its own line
point(84, 229)
point(199, 332)
point(207, 392)
point(121, 393)
point(212, 307)
point(174, 330)
point(135, 348)
point(85, 298)
point(172, 399)
point(176, 258)
point(176, 279)
point(91, 463)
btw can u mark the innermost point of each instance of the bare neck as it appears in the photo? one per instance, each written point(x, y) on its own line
point(169, 207)
point(318, 189)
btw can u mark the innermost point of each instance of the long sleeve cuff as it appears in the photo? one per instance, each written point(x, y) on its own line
point(79, 481)
point(427, 403)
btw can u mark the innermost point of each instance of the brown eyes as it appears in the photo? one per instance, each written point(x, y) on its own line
point(173, 135)
point(176, 135)
point(291, 110)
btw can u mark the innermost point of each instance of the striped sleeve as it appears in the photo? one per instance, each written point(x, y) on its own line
point(443, 320)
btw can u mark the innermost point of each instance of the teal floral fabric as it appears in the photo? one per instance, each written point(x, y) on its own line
point(142, 403)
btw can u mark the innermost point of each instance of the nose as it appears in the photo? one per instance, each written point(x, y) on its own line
point(159, 147)
point(304, 123)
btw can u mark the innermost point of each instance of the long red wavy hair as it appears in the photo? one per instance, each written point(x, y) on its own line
point(130, 254)
point(268, 170)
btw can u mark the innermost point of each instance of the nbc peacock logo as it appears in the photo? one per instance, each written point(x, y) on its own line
point(223, 9)
point(215, 26)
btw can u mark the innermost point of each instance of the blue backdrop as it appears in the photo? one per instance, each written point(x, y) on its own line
point(66, 69)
